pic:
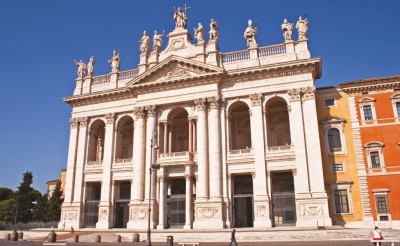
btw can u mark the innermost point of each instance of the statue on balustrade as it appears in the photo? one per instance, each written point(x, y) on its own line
point(144, 44)
point(199, 34)
point(115, 62)
point(250, 35)
point(157, 41)
point(90, 66)
point(302, 28)
point(287, 29)
point(213, 30)
point(180, 19)
point(81, 69)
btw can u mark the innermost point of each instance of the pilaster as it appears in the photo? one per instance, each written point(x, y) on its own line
point(213, 53)
point(261, 197)
point(78, 86)
point(188, 199)
point(86, 88)
point(114, 80)
point(162, 203)
point(105, 205)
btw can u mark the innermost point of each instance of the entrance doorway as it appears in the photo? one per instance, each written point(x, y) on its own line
point(93, 192)
point(243, 214)
point(122, 197)
point(283, 199)
point(176, 203)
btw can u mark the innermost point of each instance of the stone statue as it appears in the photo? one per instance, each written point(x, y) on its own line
point(250, 35)
point(157, 41)
point(302, 28)
point(199, 34)
point(287, 29)
point(213, 30)
point(99, 150)
point(81, 68)
point(180, 19)
point(144, 44)
point(115, 62)
point(90, 66)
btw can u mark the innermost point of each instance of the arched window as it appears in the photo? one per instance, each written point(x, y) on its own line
point(334, 140)
point(277, 122)
point(124, 145)
point(96, 142)
point(239, 126)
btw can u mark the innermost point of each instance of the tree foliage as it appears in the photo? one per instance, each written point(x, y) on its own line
point(6, 193)
point(7, 210)
point(39, 211)
point(54, 204)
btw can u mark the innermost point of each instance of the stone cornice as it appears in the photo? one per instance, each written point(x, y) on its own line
point(98, 97)
point(373, 84)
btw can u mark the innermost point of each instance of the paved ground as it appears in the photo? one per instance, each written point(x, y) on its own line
point(302, 243)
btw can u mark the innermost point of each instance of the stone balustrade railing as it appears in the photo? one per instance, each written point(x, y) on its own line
point(103, 79)
point(280, 148)
point(122, 161)
point(128, 74)
point(94, 163)
point(235, 56)
point(174, 154)
point(240, 151)
point(272, 50)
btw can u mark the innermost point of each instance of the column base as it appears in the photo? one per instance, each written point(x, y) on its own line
point(104, 216)
point(138, 216)
point(70, 217)
point(209, 215)
point(262, 208)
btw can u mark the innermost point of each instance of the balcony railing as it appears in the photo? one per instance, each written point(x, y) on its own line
point(94, 163)
point(240, 152)
point(235, 56)
point(272, 50)
point(129, 74)
point(103, 79)
point(123, 161)
point(280, 148)
point(176, 157)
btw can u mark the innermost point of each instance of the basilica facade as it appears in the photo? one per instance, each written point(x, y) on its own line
point(208, 139)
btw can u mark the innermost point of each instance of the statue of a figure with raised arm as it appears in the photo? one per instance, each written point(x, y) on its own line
point(250, 35)
point(115, 62)
point(302, 28)
point(144, 44)
point(213, 30)
point(90, 66)
point(81, 69)
point(180, 18)
point(199, 34)
point(157, 41)
point(287, 29)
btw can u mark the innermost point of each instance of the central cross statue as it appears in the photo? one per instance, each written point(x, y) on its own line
point(180, 17)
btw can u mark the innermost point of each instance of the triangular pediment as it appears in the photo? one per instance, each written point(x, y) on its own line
point(333, 119)
point(175, 68)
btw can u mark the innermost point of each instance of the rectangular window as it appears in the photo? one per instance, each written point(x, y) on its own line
point(375, 161)
point(382, 204)
point(341, 201)
point(337, 167)
point(329, 102)
point(367, 112)
point(398, 108)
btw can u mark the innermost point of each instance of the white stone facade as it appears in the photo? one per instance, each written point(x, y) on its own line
point(233, 133)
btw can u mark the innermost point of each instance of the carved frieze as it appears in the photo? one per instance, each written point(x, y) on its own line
point(138, 214)
point(200, 104)
point(74, 122)
point(110, 118)
point(256, 99)
point(206, 212)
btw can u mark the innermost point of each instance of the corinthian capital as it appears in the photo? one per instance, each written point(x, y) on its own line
point(151, 110)
point(256, 99)
point(294, 94)
point(110, 118)
point(214, 102)
point(200, 104)
point(308, 93)
point(139, 112)
point(74, 122)
point(82, 121)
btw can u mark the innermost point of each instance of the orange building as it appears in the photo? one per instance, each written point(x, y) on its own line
point(52, 183)
point(375, 109)
point(348, 200)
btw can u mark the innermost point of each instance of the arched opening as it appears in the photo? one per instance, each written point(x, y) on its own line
point(179, 130)
point(96, 142)
point(239, 126)
point(124, 142)
point(277, 123)
point(334, 140)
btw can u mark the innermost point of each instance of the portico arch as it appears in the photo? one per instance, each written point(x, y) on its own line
point(96, 141)
point(239, 126)
point(124, 140)
point(277, 122)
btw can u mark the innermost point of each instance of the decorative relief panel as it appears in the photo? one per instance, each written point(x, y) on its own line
point(261, 210)
point(311, 209)
point(206, 213)
point(70, 215)
point(176, 45)
point(103, 214)
point(138, 214)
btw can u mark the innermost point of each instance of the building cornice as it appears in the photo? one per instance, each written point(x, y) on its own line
point(373, 84)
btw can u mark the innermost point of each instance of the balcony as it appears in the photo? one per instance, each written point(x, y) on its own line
point(175, 158)
point(240, 155)
point(278, 153)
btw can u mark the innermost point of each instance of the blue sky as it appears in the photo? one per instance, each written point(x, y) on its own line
point(39, 41)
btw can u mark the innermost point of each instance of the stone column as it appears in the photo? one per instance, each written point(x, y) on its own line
point(194, 136)
point(151, 158)
point(190, 136)
point(162, 206)
point(80, 162)
point(188, 200)
point(214, 149)
point(202, 185)
point(69, 186)
point(260, 186)
point(138, 209)
point(170, 138)
point(105, 199)
point(165, 137)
